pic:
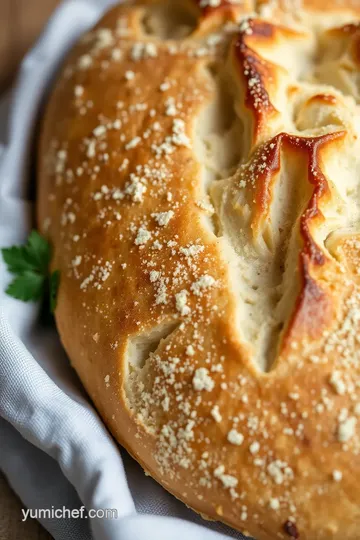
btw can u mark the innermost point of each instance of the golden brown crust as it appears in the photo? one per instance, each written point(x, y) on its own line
point(201, 194)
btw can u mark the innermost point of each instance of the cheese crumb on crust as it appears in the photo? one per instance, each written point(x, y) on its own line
point(202, 380)
point(234, 437)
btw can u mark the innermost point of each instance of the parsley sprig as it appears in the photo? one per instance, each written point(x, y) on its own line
point(30, 265)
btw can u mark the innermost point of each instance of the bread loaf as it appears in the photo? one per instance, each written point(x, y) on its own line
point(199, 179)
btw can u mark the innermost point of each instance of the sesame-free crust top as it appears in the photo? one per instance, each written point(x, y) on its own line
point(199, 169)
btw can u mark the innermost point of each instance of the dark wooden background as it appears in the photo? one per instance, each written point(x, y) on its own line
point(21, 22)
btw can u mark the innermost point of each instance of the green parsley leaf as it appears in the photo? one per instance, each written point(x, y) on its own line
point(54, 285)
point(16, 258)
point(27, 286)
point(30, 265)
point(38, 251)
point(34, 255)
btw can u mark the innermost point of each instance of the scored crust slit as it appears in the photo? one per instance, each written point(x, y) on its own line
point(199, 169)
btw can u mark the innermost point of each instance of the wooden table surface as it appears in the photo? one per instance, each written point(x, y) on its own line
point(21, 21)
point(11, 526)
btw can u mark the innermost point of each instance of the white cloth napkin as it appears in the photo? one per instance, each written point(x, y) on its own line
point(54, 449)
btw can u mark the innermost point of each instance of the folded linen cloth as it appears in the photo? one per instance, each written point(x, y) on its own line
point(54, 449)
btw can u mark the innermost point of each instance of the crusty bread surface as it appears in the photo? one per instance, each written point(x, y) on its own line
point(199, 179)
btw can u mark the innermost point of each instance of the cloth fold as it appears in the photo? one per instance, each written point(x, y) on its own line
point(54, 449)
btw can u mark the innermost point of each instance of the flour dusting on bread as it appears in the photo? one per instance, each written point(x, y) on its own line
point(199, 178)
